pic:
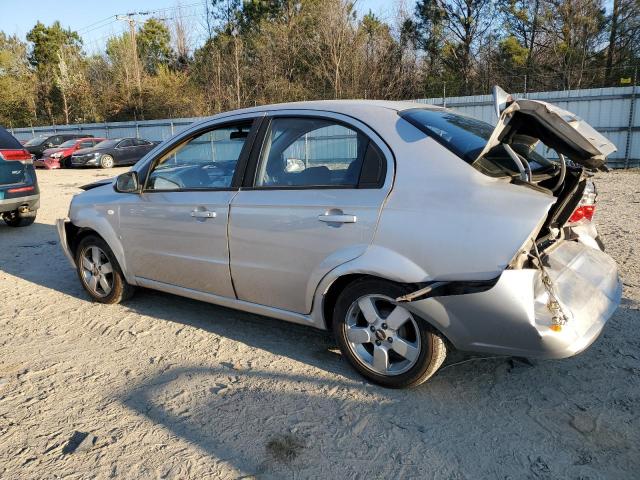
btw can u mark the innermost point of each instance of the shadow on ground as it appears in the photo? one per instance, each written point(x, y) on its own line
point(574, 418)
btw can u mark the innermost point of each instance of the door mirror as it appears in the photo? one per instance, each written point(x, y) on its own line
point(128, 183)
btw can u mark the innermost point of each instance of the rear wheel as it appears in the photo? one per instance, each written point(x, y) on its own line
point(106, 161)
point(13, 219)
point(100, 273)
point(382, 339)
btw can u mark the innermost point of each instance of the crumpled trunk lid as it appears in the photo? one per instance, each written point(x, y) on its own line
point(557, 128)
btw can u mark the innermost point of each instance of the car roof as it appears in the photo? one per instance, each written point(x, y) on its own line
point(347, 107)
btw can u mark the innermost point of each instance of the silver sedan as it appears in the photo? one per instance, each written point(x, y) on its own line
point(404, 228)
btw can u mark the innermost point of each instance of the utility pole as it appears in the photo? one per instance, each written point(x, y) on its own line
point(132, 33)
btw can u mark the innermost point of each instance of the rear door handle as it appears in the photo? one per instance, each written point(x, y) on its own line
point(203, 214)
point(337, 218)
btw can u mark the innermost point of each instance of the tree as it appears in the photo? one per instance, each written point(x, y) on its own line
point(47, 43)
point(17, 106)
point(154, 45)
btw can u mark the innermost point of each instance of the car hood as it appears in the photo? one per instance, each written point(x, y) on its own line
point(557, 128)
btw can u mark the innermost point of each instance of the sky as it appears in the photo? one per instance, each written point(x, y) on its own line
point(95, 20)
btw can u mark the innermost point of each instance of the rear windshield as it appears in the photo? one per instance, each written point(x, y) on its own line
point(34, 142)
point(7, 141)
point(467, 136)
point(464, 136)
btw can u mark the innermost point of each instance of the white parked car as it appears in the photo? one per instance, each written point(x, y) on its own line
point(407, 229)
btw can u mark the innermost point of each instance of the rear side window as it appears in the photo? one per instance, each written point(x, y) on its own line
point(7, 141)
point(310, 152)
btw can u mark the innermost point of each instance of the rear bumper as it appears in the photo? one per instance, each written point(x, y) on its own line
point(61, 226)
point(512, 317)
point(32, 202)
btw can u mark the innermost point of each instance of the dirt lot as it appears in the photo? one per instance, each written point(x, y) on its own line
point(173, 388)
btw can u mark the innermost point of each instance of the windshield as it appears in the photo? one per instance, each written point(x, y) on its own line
point(68, 143)
point(107, 143)
point(35, 141)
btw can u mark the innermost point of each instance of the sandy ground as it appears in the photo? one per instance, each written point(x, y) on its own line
point(174, 388)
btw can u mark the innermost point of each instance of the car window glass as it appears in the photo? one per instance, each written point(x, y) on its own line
point(205, 161)
point(57, 140)
point(68, 143)
point(85, 144)
point(125, 143)
point(310, 152)
point(139, 142)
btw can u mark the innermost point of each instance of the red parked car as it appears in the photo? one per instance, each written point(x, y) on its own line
point(58, 157)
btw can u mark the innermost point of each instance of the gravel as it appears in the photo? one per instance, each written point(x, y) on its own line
point(174, 388)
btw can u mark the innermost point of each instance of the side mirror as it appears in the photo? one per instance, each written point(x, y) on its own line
point(128, 183)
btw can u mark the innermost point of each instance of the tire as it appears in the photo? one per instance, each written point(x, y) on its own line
point(14, 220)
point(65, 162)
point(106, 161)
point(105, 265)
point(424, 348)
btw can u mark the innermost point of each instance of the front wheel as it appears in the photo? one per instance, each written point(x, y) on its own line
point(100, 273)
point(106, 161)
point(13, 219)
point(382, 339)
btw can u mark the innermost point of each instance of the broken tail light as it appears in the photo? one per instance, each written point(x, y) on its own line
point(587, 206)
point(21, 156)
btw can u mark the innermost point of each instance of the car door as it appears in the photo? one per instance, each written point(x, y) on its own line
point(311, 201)
point(142, 147)
point(175, 231)
point(124, 152)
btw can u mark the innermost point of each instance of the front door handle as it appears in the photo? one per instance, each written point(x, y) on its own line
point(337, 218)
point(203, 214)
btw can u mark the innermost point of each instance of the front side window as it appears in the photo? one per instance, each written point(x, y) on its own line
point(301, 152)
point(138, 143)
point(125, 143)
point(206, 161)
point(88, 144)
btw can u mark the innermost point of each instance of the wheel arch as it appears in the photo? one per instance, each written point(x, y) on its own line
point(333, 291)
point(76, 231)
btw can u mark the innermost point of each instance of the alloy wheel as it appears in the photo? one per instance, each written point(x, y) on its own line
point(97, 272)
point(383, 335)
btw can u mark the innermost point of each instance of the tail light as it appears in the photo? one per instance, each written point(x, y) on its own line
point(587, 206)
point(21, 156)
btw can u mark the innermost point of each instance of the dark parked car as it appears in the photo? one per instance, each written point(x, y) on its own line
point(113, 152)
point(37, 145)
point(19, 193)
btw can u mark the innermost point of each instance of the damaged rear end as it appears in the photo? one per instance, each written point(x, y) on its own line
point(559, 290)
